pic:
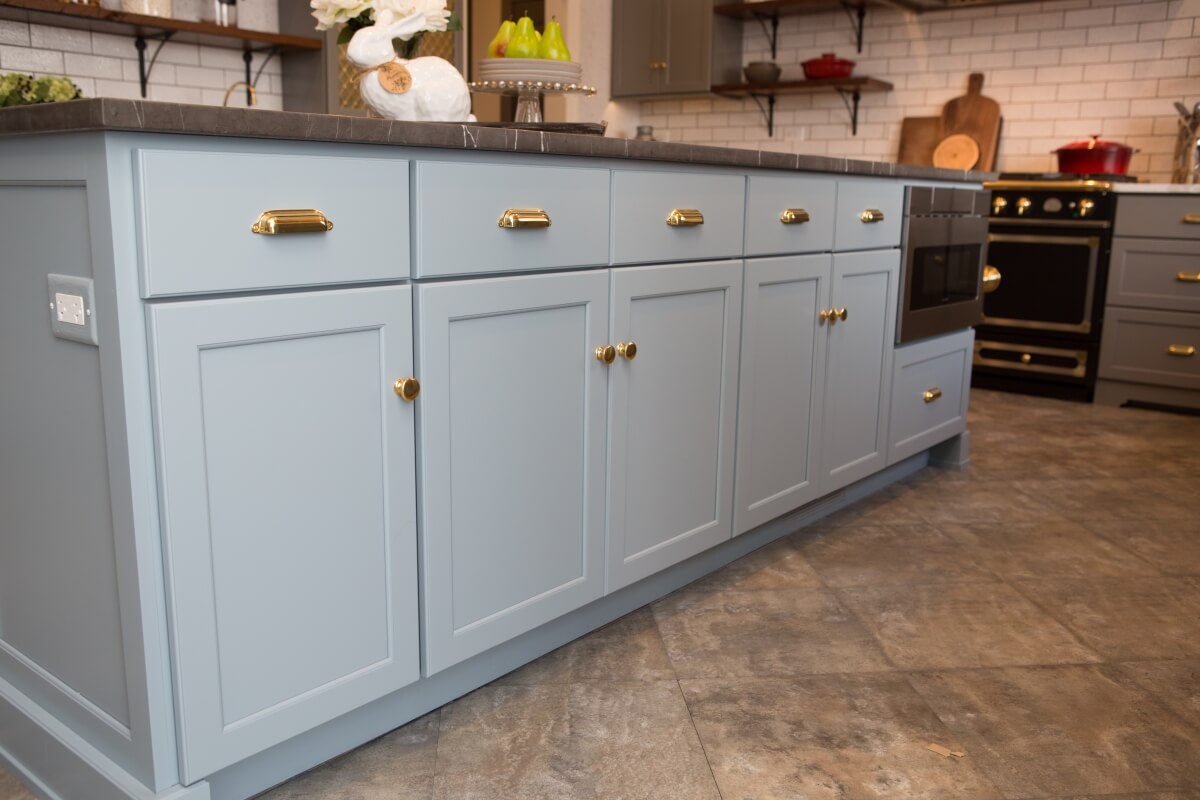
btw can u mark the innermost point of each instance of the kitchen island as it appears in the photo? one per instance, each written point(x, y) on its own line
point(312, 424)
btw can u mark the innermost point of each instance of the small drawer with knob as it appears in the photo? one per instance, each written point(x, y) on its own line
point(1155, 273)
point(474, 219)
point(676, 216)
point(1154, 347)
point(929, 393)
point(789, 215)
point(868, 214)
point(214, 221)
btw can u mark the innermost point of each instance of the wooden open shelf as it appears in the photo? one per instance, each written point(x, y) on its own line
point(850, 89)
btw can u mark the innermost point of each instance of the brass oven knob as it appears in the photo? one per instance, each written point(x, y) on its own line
point(1023, 205)
point(1026, 358)
point(1086, 206)
point(998, 205)
point(991, 279)
point(407, 389)
point(606, 353)
point(627, 350)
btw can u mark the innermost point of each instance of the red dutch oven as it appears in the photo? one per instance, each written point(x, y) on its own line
point(1094, 156)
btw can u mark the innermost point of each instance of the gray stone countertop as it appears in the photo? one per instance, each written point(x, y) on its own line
point(113, 114)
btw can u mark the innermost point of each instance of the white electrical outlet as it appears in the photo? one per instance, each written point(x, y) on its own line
point(69, 308)
point(72, 308)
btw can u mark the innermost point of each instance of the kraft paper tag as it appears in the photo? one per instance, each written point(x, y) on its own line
point(942, 751)
point(395, 78)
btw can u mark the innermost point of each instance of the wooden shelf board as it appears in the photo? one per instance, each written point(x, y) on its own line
point(103, 20)
point(801, 87)
point(783, 8)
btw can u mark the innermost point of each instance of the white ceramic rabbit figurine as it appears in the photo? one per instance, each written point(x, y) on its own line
point(437, 92)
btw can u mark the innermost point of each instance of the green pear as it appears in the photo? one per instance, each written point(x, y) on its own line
point(497, 45)
point(553, 46)
point(523, 43)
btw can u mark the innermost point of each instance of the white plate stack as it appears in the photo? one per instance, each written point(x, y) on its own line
point(530, 70)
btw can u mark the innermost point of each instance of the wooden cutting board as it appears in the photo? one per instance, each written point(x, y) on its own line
point(918, 138)
point(976, 116)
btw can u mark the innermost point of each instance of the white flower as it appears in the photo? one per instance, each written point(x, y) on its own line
point(329, 13)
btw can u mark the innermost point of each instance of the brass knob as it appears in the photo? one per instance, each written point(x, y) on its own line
point(998, 205)
point(606, 353)
point(291, 220)
point(794, 216)
point(1086, 206)
point(991, 279)
point(825, 313)
point(627, 350)
point(407, 389)
point(524, 218)
point(841, 314)
point(929, 395)
point(831, 315)
point(871, 215)
point(1026, 358)
point(1023, 205)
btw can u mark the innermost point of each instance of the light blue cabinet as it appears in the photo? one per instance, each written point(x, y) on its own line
point(780, 394)
point(512, 424)
point(671, 414)
point(288, 503)
point(858, 367)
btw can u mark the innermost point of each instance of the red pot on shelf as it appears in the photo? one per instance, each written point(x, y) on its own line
point(1094, 156)
point(827, 66)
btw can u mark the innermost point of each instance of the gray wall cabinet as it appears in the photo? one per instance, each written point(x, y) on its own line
point(672, 47)
point(232, 549)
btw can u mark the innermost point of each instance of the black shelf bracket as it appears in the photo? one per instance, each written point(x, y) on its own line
point(851, 98)
point(771, 33)
point(144, 69)
point(857, 12)
point(768, 112)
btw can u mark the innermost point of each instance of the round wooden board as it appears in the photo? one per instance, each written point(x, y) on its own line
point(958, 151)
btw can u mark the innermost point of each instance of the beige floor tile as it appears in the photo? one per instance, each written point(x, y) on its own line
point(884, 555)
point(828, 737)
point(11, 788)
point(962, 625)
point(1041, 732)
point(1126, 618)
point(977, 501)
point(1111, 498)
point(766, 633)
point(779, 565)
point(1171, 545)
point(1050, 549)
point(629, 649)
point(1176, 683)
point(592, 740)
point(398, 766)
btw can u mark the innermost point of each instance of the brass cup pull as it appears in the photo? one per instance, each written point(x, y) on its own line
point(606, 353)
point(1184, 350)
point(929, 395)
point(407, 389)
point(991, 279)
point(291, 220)
point(684, 217)
point(524, 218)
point(1188, 277)
point(627, 350)
point(1191, 219)
point(794, 216)
point(871, 215)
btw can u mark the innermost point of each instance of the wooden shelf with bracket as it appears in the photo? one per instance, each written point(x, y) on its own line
point(850, 89)
point(768, 13)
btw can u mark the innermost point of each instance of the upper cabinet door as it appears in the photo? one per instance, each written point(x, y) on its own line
point(687, 63)
point(512, 456)
point(288, 500)
point(858, 372)
point(779, 400)
point(671, 414)
point(639, 46)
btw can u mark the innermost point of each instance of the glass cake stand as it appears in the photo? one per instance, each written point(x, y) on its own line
point(529, 94)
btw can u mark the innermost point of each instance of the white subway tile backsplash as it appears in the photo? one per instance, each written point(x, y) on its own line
point(1177, 48)
point(1040, 22)
point(1097, 54)
point(14, 33)
point(994, 24)
point(1081, 91)
point(95, 66)
point(65, 39)
point(971, 44)
point(125, 89)
point(1164, 68)
point(1088, 17)
point(1112, 34)
point(1130, 89)
point(1071, 37)
point(1140, 12)
point(1142, 51)
point(29, 59)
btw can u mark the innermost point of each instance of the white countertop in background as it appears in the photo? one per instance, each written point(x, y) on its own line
point(1156, 188)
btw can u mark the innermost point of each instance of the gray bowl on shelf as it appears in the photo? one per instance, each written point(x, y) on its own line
point(762, 71)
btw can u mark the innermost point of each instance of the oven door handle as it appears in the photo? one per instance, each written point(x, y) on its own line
point(991, 279)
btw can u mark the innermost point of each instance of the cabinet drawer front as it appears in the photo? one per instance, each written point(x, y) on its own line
point(459, 207)
point(767, 202)
point(1151, 347)
point(197, 208)
point(929, 393)
point(1155, 273)
point(642, 201)
point(856, 197)
point(1164, 217)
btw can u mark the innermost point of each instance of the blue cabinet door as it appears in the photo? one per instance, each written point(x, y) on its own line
point(858, 369)
point(512, 456)
point(779, 396)
point(671, 414)
point(288, 492)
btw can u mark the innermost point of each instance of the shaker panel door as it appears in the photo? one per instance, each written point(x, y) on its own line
point(639, 44)
point(858, 369)
point(512, 456)
point(288, 502)
point(671, 414)
point(779, 400)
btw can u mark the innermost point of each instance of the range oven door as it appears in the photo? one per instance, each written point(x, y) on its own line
point(1048, 279)
point(940, 285)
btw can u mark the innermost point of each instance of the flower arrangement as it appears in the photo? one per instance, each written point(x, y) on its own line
point(358, 14)
point(22, 90)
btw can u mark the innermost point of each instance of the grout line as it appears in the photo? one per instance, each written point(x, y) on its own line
point(700, 739)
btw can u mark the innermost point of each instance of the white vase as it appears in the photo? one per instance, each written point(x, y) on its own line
point(436, 91)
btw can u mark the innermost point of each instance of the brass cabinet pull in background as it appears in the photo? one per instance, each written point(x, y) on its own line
point(291, 220)
point(1191, 219)
point(1188, 277)
point(794, 216)
point(929, 395)
point(407, 389)
point(871, 215)
point(1184, 350)
point(606, 353)
point(685, 217)
point(524, 218)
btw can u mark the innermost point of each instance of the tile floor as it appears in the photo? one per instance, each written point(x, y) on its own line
point(1039, 612)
